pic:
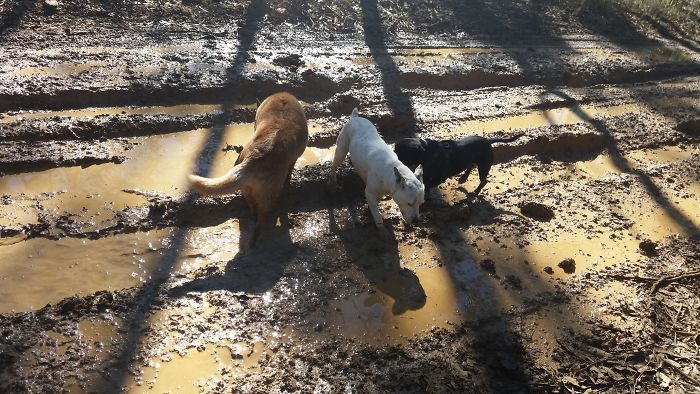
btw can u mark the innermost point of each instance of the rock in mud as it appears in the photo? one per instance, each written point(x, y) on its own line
point(514, 281)
point(648, 247)
point(292, 61)
point(50, 7)
point(537, 211)
point(548, 270)
point(568, 265)
point(488, 265)
point(343, 104)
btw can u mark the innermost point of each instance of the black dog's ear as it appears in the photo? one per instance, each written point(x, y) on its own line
point(399, 177)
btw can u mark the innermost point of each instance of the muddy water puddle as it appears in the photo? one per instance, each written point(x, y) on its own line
point(569, 115)
point(458, 287)
point(40, 271)
point(158, 164)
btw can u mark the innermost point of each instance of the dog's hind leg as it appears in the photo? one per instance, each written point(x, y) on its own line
point(483, 174)
point(463, 177)
point(341, 150)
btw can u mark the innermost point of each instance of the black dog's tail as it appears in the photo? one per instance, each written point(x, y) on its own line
point(511, 139)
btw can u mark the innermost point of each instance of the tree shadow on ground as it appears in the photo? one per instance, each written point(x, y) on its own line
point(496, 348)
point(116, 370)
point(17, 9)
point(509, 24)
point(621, 163)
point(399, 102)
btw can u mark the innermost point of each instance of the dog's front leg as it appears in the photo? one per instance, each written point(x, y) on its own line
point(372, 199)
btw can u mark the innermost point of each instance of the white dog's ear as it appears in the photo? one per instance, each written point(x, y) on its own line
point(399, 177)
point(419, 173)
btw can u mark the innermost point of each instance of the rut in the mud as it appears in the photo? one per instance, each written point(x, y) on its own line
point(574, 271)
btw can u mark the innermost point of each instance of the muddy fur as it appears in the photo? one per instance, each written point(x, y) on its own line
point(265, 165)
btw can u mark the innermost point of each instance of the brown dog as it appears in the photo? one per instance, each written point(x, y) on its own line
point(265, 165)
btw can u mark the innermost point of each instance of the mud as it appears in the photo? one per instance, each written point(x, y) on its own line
point(575, 270)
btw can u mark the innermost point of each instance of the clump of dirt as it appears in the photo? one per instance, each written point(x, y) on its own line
point(568, 265)
point(537, 211)
point(648, 247)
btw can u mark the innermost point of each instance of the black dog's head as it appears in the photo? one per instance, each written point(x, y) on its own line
point(411, 151)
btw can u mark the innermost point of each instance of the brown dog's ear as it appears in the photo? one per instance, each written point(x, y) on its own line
point(399, 177)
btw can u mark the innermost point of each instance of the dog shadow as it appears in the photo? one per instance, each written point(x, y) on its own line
point(253, 271)
point(378, 259)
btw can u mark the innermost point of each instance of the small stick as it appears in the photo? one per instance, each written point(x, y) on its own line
point(666, 280)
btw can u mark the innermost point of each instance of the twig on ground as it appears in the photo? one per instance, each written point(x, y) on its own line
point(666, 280)
point(680, 372)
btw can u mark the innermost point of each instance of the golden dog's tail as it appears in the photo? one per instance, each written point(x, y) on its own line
point(227, 184)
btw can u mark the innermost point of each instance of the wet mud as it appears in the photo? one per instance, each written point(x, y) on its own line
point(575, 270)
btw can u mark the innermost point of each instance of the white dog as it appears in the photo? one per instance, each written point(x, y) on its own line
point(379, 167)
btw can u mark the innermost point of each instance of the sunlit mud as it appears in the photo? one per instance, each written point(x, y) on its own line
point(550, 117)
point(177, 110)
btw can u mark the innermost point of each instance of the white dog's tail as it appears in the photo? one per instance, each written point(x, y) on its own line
point(354, 113)
point(227, 184)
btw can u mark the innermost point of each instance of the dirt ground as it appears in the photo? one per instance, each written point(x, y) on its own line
point(576, 270)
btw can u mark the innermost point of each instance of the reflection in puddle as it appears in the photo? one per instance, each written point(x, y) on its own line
point(40, 271)
point(184, 373)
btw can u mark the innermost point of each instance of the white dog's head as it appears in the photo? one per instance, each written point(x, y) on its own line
point(409, 192)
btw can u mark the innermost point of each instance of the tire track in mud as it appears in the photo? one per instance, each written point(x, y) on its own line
point(104, 124)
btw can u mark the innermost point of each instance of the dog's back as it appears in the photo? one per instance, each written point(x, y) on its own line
point(365, 145)
point(266, 162)
point(280, 137)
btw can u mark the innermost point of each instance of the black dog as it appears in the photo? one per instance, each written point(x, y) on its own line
point(443, 159)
